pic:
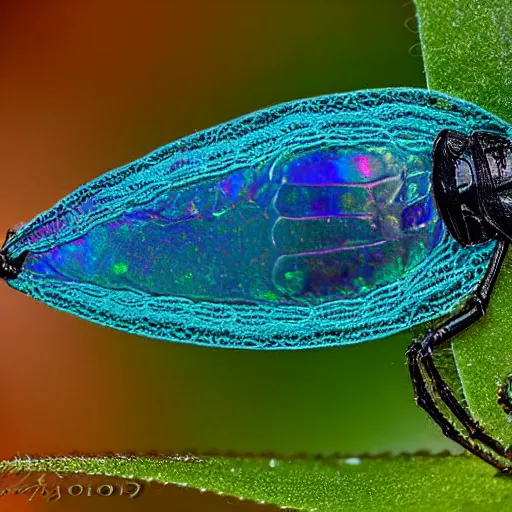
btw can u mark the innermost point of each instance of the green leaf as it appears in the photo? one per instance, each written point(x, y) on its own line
point(467, 48)
point(419, 483)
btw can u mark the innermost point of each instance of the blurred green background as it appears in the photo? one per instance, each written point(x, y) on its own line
point(87, 86)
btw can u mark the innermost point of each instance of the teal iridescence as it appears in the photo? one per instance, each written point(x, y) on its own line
point(306, 224)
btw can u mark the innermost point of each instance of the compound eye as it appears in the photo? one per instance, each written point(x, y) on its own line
point(505, 395)
point(463, 175)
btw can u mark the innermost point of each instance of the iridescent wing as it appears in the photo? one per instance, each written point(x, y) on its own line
point(307, 224)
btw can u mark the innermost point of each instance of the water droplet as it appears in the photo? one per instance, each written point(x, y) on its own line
point(353, 461)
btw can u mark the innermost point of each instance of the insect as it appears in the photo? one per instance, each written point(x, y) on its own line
point(319, 222)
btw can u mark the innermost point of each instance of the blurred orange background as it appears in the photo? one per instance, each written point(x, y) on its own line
point(86, 86)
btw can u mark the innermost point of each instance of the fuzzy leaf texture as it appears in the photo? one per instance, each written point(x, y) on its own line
point(419, 483)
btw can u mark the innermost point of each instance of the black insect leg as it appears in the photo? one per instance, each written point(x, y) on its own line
point(421, 367)
point(427, 403)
